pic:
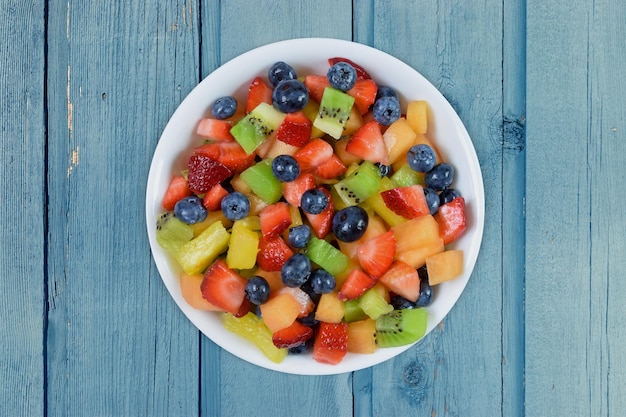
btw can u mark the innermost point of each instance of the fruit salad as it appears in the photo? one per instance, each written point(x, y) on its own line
point(315, 214)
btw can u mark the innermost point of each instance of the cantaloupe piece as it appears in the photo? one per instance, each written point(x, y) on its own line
point(190, 290)
point(398, 137)
point(280, 311)
point(362, 336)
point(417, 115)
point(330, 308)
point(444, 266)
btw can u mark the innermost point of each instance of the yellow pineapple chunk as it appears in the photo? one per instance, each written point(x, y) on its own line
point(417, 116)
point(398, 137)
point(197, 254)
point(330, 308)
point(444, 266)
point(243, 246)
point(212, 217)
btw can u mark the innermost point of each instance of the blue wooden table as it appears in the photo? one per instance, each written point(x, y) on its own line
point(88, 328)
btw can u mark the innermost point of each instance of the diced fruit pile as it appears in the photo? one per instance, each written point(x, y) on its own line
point(316, 216)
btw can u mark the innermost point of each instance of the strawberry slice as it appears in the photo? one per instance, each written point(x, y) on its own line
point(275, 219)
point(313, 154)
point(223, 287)
point(204, 173)
point(330, 169)
point(368, 143)
point(292, 191)
point(258, 92)
point(331, 343)
point(273, 254)
point(295, 129)
point(215, 129)
point(229, 154)
point(292, 336)
point(212, 200)
point(306, 303)
point(321, 223)
point(376, 254)
point(408, 202)
point(356, 283)
point(176, 190)
point(451, 220)
point(402, 279)
point(316, 85)
point(360, 71)
point(364, 93)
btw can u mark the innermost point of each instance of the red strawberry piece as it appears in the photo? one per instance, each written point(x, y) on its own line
point(244, 308)
point(408, 202)
point(321, 223)
point(275, 219)
point(356, 283)
point(223, 287)
point(292, 191)
point(364, 93)
point(360, 72)
point(204, 173)
point(331, 343)
point(295, 129)
point(215, 129)
point(292, 336)
point(368, 143)
point(306, 303)
point(376, 254)
point(212, 200)
point(176, 190)
point(273, 254)
point(258, 92)
point(313, 154)
point(451, 220)
point(229, 154)
point(330, 169)
point(402, 279)
point(316, 85)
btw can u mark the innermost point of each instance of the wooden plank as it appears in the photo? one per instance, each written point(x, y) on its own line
point(575, 361)
point(117, 344)
point(285, 394)
point(466, 65)
point(22, 213)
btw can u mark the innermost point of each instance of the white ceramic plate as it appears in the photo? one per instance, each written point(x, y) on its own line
point(310, 56)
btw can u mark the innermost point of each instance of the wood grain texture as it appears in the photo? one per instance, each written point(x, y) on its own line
point(116, 73)
point(465, 64)
point(575, 361)
point(22, 193)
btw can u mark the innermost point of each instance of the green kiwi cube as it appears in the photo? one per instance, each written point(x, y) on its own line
point(360, 185)
point(262, 182)
point(401, 327)
point(256, 126)
point(327, 256)
point(172, 233)
point(334, 112)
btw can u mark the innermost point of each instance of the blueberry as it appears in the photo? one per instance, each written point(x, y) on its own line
point(296, 270)
point(290, 96)
point(235, 206)
point(385, 91)
point(303, 347)
point(190, 210)
point(383, 170)
point(257, 290)
point(322, 281)
point(224, 107)
point(314, 201)
point(386, 110)
point(342, 76)
point(432, 200)
point(448, 195)
point(299, 236)
point(308, 288)
point(281, 71)
point(426, 294)
point(349, 224)
point(421, 158)
point(400, 303)
point(285, 168)
point(440, 177)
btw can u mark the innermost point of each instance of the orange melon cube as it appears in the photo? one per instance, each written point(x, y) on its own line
point(417, 239)
point(330, 308)
point(398, 137)
point(362, 336)
point(280, 311)
point(416, 257)
point(190, 290)
point(444, 266)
